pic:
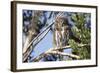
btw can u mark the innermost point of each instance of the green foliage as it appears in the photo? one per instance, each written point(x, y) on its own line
point(83, 33)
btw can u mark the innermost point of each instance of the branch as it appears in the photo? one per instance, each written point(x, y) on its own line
point(67, 47)
point(43, 31)
point(39, 57)
point(63, 54)
point(34, 39)
point(54, 51)
point(28, 52)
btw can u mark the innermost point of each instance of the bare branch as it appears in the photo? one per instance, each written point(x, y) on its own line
point(31, 42)
point(53, 51)
point(28, 52)
point(36, 40)
point(66, 47)
point(63, 54)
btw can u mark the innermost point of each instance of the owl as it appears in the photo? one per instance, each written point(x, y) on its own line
point(61, 33)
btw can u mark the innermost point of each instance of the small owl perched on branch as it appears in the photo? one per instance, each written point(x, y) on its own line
point(61, 32)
